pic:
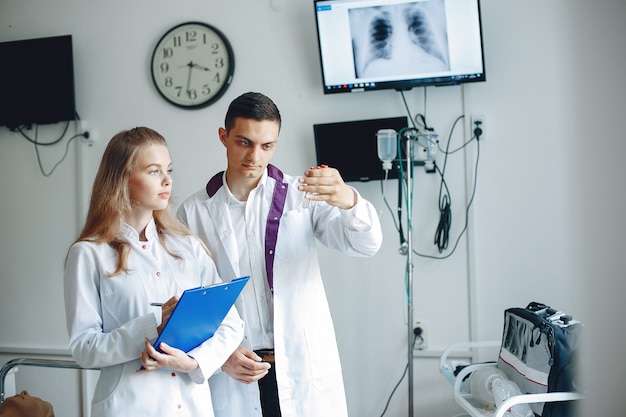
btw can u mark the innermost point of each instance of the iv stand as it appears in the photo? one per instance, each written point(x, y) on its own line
point(409, 230)
point(409, 250)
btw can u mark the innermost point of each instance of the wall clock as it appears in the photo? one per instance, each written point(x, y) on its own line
point(192, 65)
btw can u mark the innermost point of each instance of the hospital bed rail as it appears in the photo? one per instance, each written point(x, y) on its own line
point(48, 363)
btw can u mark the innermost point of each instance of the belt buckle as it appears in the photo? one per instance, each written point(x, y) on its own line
point(267, 355)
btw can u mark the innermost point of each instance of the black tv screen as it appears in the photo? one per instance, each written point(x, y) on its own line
point(398, 44)
point(351, 147)
point(37, 81)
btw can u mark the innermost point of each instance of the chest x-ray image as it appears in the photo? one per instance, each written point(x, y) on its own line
point(399, 39)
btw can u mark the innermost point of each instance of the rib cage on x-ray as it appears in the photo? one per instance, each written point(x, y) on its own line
point(399, 39)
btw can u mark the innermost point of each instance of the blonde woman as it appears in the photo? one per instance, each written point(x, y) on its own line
point(131, 252)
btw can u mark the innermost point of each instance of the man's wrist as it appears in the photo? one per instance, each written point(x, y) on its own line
point(353, 201)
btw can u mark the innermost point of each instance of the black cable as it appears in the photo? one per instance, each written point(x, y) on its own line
point(415, 120)
point(467, 209)
point(408, 111)
point(457, 149)
point(34, 141)
point(401, 184)
point(445, 217)
point(67, 147)
point(444, 201)
point(442, 234)
point(423, 124)
point(406, 368)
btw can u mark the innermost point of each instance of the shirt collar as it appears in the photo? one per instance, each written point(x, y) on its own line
point(219, 179)
point(130, 234)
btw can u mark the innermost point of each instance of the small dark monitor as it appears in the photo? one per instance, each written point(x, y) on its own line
point(37, 81)
point(351, 147)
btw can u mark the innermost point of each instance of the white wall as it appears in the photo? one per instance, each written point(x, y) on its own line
point(546, 223)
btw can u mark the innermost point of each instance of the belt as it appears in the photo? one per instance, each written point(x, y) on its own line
point(266, 355)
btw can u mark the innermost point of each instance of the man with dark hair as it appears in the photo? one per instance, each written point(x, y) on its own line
point(260, 222)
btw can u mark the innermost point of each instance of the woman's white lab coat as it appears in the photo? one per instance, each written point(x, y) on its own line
point(108, 319)
point(308, 368)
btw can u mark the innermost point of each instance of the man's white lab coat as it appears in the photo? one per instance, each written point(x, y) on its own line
point(308, 369)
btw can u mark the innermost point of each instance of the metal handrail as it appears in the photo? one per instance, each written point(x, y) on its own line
point(49, 363)
point(462, 398)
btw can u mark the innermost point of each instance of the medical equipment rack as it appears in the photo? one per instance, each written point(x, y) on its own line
point(464, 398)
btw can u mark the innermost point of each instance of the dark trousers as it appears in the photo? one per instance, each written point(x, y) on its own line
point(269, 393)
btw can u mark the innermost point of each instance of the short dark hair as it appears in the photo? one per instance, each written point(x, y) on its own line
point(255, 106)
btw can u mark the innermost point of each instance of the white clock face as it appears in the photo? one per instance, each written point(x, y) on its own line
point(192, 65)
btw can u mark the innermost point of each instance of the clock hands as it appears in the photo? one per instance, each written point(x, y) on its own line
point(194, 65)
point(191, 65)
point(189, 77)
point(192, 93)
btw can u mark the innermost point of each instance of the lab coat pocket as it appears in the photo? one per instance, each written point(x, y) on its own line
point(108, 392)
point(323, 361)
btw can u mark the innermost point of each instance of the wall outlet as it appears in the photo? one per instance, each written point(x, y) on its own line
point(89, 135)
point(478, 126)
point(421, 330)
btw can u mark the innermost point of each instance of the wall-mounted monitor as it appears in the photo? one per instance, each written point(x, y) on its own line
point(37, 81)
point(398, 44)
point(351, 147)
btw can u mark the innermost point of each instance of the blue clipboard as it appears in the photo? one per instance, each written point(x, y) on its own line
point(199, 313)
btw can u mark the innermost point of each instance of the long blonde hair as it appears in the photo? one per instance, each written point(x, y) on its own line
point(110, 201)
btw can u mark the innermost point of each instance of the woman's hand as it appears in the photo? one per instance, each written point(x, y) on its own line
point(166, 312)
point(169, 357)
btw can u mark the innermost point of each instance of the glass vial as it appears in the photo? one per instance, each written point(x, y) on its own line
point(387, 146)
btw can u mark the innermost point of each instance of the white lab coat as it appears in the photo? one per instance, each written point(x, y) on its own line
point(108, 319)
point(308, 369)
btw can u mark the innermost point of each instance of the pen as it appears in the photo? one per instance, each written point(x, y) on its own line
point(156, 304)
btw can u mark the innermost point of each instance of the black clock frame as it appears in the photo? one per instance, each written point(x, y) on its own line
point(229, 75)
